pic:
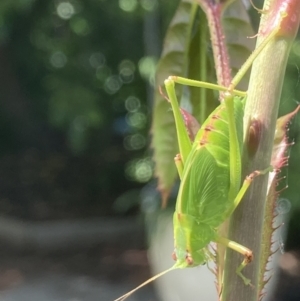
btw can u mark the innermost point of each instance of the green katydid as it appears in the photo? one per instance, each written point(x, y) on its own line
point(210, 171)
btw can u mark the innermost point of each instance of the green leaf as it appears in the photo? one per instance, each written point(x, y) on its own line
point(201, 67)
point(174, 61)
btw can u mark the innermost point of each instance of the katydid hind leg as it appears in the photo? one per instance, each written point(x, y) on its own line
point(235, 164)
point(248, 255)
point(247, 182)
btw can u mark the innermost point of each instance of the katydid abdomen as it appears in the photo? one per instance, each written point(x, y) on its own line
point(191, 238)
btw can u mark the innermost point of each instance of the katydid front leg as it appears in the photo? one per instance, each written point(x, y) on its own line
point(234, 245)
point(248, 255)
point(184, 141)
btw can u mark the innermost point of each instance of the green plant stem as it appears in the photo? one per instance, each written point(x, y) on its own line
point(262, 105)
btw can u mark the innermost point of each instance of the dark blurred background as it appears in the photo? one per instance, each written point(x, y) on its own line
point(76, 83)
point(74, 103)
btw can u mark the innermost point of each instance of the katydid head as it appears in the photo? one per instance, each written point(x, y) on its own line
point(125, 296)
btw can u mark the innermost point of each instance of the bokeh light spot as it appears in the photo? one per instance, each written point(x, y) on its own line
point(147, 67)
point(128, 5)
point(149, 5)
point(139, 170)
point(134, 142)
point(58, 59)
point(127, 64)
point(143, 171)
point(65, 10)
point(112, 84)
point(126, 76)
point(132, 104)
point(126, 71)
point(136, 119)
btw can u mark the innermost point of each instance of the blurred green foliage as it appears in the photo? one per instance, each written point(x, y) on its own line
point(67, 55)
point(75, 77)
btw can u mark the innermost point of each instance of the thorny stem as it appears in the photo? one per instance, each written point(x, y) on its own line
point(262, 105)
